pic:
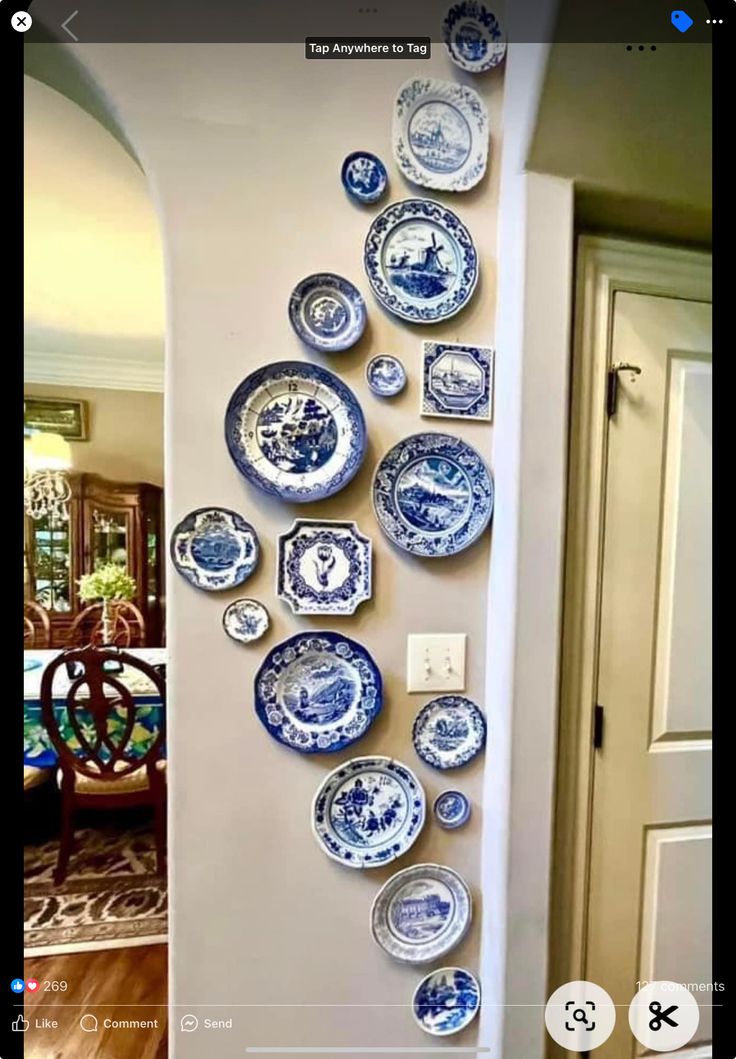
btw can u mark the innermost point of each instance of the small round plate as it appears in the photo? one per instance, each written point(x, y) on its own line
point(214, 548)
point(368, 812)
point(364, 176)
point(327, 312)
point(385, 375)
point(245, 620)
point(449, 731)
point(421, 913)
point(473, 37)
point(451, 809)
point(446, 1001)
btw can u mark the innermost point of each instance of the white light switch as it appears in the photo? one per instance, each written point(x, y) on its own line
point(435, 662)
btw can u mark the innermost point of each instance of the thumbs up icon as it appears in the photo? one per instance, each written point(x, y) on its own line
point(20, 1025)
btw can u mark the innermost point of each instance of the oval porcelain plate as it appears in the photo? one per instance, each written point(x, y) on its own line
point(318, 692)
point(449, 731)
point(327, 312)
point(473, 37)
point(296, 431)
point(368, 812)
point(440, 134)
point(446, 1001)
point(245, 620)
point(364, 176)
point(421, 913)
point(214, 548)
point(433, 494)
point(420, 261)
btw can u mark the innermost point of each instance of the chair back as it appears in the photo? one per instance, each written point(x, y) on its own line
point(97, 730)
point(36, 626)
point(127, 626)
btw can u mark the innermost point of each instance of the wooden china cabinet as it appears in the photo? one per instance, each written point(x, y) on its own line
point(118, 522)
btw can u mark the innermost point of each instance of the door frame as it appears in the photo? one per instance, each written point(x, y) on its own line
point(604, 267)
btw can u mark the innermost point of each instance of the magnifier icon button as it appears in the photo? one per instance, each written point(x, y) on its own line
point(580, 1016)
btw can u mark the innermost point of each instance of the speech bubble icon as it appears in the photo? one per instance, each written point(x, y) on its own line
point(681, 20)
point(88, 1023)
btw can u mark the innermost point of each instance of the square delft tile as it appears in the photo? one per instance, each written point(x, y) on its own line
point(457, 380)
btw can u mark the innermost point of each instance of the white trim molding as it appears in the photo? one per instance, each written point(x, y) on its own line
point(100, 372)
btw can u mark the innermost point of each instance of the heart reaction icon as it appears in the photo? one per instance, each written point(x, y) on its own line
point(32, 985)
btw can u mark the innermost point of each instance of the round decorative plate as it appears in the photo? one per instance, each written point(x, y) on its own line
point(327, 312)
point(420, 260)
point(446, 1001)
point(451, 809)
point(318, 692)
point(473, 37)
point(421, 913)
point(368, 812)
point(433, 494)
point(440, 134)
point(364, 176)
point(385, 375)
point(449, 731)
point(296, 431)
point(245, 620)
point(214, 548)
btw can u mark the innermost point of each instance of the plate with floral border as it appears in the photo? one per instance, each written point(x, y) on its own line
point(327, 312)
point(318, 692)
point(473, 37)
point(324, 567)
point(420, 260)
point(449, 731)
point(421, 913)
point(296, 431)
point(446, 1001)
point(245, 620)
point(368, 812)
point(214, 548)
point(433, 494)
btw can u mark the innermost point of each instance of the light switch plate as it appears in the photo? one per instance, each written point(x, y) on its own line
point(435, 662)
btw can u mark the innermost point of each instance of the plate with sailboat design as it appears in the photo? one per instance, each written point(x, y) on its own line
point(433, 494)
point(296, 431)
point(318, 692)
point(420, 260)
point(421, 913)
point(368, 812)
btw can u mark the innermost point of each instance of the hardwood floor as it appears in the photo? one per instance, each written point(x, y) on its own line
point(108, 984)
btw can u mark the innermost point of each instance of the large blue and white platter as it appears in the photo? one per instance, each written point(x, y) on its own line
point(324, 567)
point(449, 731)
point(368, 812)
point(421, 913)
point(433, 494)
point(214, 548)
point(473, 37)
point(318, 692)
point(327, 312)
point(296, 431)
point(420, 260)
point(446, 1001)
point(440, 134)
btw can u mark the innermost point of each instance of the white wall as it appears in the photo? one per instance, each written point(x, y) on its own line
point(243, 147)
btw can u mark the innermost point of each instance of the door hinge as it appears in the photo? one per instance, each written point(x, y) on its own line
point(612, 384)
point(598, 727)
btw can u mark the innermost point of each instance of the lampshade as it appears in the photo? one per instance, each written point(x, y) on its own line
point(47, 452)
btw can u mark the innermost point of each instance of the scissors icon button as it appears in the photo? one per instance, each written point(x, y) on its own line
point(660, 1016)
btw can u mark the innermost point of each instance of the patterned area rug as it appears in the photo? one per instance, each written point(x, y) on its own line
point(111, 894)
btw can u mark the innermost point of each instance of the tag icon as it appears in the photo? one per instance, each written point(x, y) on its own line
point(681, 20)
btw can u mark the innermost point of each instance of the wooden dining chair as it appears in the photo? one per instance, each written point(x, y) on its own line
point(128, 626)
point(36, 626)
point(93, 735)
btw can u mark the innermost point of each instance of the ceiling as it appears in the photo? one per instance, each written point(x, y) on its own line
point(94, 279)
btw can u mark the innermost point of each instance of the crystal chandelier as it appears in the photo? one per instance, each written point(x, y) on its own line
point(46, 489)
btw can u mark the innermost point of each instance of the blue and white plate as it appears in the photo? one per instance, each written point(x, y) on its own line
point(318, 692)
point(446, 1001)
point(214, 548)
point(421, 913)
point(296, 431)
point(433, 494)
point(385, 375)
point(368, 812)
point(440, 134)
point(327, 312)
point(364, 176)
point(324, 567)
point(420, 260)
point(473, 37)
point(245, 620)
point(451, 809)
point(449, 731)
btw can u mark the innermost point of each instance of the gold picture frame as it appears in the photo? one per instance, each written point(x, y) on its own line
point(57, 415)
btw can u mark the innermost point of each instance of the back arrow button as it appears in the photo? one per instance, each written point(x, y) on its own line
point(65, 25)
